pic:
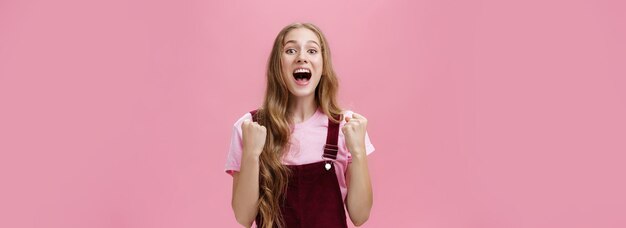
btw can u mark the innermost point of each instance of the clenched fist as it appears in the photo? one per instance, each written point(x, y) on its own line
point(253, 135)
point(354, 133)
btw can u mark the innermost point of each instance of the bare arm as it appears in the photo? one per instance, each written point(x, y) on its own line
point(246, 181)
point(246, 191)
point(359, 198)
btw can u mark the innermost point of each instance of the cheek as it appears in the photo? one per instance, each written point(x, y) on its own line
point(319, 64)
point(284, 63)
point(286, 75)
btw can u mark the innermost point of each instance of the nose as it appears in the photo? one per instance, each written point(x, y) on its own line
point(301, 58)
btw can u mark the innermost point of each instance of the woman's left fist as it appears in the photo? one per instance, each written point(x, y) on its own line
point(354, 133)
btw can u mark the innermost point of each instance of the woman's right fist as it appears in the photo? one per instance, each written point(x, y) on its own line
point(253, 135)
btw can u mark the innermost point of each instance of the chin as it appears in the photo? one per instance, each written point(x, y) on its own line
point(303, 93)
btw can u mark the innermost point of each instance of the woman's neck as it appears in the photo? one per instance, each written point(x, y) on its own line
point(302, 108)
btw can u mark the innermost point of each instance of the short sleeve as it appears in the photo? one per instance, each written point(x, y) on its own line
point(233, 160)
point(369, 148)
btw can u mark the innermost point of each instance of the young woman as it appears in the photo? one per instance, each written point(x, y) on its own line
point(299, 158)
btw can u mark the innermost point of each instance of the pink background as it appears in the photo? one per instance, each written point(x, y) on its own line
point(484, 113)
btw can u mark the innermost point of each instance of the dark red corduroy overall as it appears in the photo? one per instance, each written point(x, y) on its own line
point(313, 197)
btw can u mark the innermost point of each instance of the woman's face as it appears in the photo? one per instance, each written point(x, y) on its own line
point(302, 61)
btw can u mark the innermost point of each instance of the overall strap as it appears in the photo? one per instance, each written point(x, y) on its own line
point(253, 113)
point(332, 136)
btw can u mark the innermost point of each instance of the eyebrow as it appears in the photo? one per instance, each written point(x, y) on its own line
point(310, 41)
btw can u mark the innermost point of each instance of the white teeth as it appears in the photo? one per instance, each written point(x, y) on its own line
point(302, 70)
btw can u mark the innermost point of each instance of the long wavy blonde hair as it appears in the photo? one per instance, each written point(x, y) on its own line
point(274, 115)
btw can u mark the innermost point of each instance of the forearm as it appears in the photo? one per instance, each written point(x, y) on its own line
point(246, 191)
point(359, 198)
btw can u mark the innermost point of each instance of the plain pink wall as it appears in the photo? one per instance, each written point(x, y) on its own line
point(484, 114)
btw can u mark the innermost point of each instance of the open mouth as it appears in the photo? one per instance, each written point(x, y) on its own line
point(302, 76)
